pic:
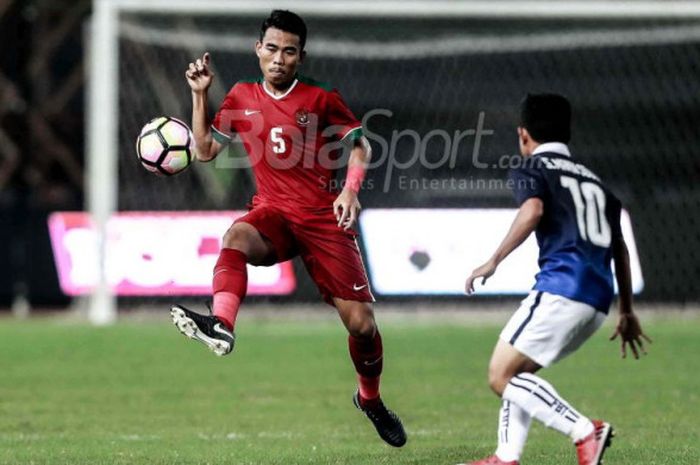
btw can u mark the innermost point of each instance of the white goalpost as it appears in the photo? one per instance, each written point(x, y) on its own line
point(102, 110)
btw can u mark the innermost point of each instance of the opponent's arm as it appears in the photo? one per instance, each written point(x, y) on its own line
point(628, 327)
point(346, 206)
point(199, 77)
point(524, 223)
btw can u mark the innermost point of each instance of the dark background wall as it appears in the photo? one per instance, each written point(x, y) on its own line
point(636, 112)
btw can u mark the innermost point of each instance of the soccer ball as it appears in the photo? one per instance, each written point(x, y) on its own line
point(165, 146)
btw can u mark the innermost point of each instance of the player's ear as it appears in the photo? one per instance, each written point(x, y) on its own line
point(302, 56)
point(258, 47)
point(523, 135)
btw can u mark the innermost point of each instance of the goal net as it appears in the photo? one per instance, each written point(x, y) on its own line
point(425, 72)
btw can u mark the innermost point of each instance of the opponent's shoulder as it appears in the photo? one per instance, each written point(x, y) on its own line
point(315, 84)
point(527, 167)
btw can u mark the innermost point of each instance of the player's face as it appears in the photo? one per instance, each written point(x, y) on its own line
point(279, 54)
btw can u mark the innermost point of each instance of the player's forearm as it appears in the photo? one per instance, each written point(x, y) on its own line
point(623, 275)
point(360, 156)
point(200, 126)
point(524, 224)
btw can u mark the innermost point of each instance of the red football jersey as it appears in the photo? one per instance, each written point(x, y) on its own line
point(292, 139)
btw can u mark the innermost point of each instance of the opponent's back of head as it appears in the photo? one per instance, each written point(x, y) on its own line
point(547, 117)
point(287, 21)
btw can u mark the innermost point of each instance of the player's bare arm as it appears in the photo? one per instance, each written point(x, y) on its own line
point(199, 76)
point(346, 206)
point(628, 327)
point(525, 222)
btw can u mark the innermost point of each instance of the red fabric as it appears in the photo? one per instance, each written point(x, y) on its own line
point(368, 357)
point(230, 284)
point(330, 254)
point(291, 141)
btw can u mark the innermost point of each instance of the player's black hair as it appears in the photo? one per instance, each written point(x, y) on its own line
point(285, 21)
point(547, 117)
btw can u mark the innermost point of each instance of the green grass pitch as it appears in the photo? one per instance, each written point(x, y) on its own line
point(139, 393)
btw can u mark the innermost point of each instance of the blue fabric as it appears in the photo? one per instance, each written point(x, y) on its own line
point(573, 263)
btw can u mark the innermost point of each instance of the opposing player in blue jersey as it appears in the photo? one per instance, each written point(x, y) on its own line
point(577, 223)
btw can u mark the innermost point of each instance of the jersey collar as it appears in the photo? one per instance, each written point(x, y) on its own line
point(281, 96)
point(556, 147)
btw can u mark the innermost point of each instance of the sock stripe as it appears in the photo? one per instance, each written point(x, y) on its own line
point(505, 421)
point(519, 386)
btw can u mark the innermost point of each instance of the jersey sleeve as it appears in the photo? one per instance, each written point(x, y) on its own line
point(339, 115)
point(222, 127)
point(527, 182)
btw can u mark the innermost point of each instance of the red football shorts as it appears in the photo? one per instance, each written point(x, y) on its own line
point(330, 254)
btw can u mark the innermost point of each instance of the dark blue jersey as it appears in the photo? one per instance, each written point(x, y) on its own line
point(581, 218)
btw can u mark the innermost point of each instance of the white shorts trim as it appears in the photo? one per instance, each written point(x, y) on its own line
point(548, 327)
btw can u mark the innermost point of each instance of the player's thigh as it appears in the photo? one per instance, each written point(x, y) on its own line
point(333, 259)
point(547, 326)
point(263, 235)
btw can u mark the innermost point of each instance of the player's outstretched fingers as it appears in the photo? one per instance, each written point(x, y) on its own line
point(199, 65)
point(469, 285)
point(206, 58)
point(635, 351)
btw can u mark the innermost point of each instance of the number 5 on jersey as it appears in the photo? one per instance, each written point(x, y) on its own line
point(278, 144)
point(589, 200)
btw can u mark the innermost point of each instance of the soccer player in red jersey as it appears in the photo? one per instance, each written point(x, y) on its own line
point(291, 128)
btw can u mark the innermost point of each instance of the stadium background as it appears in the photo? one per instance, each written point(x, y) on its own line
point(632, 84)
point(135, 392)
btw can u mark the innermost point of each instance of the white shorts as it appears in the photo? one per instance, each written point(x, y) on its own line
point(548, 327)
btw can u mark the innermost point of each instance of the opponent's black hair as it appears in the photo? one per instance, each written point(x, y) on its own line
point(547, 117)
point(286, 21)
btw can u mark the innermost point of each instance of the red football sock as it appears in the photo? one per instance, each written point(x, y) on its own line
point(230, 284)
point(367, 355)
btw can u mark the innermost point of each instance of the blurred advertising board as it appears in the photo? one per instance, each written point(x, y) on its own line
point(432, 251)
point(153, 254)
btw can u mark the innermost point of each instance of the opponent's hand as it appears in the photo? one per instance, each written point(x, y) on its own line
point(485, 271)
point(630, 332)
point(198, 74)
point(346, 209)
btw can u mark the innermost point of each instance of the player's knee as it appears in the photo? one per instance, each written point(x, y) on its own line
point(362, 325)
point(498, 379)
point(236, 238)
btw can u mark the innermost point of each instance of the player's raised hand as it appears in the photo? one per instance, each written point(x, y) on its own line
point(485, 271)
point(346, 209)
point(630, 332)
point(199, 75)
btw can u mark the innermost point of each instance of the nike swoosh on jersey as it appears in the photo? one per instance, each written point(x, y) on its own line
point(355, 287)
point(374, 362)
point(251, 112)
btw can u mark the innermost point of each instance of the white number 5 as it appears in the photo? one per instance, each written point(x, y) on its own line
point(589, 200)
point(279, 145)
